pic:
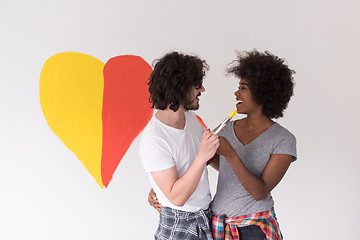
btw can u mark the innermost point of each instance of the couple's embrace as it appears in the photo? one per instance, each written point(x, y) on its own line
point(252, 154)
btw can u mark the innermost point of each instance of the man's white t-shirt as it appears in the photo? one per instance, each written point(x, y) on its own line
point(162, 147)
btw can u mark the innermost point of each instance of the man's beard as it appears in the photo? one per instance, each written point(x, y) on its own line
point(191, 105)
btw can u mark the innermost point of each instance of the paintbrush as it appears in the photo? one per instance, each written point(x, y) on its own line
point(201, 122)
point(226, 121)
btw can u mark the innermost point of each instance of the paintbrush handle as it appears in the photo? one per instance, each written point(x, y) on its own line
point(223, 124)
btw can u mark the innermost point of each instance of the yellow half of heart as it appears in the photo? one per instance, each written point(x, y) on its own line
point(71, 97)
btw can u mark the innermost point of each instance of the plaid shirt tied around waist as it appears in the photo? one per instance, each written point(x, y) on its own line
point(226, 228)
point(177, 224)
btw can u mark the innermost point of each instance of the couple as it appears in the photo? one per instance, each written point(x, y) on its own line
point(251, 154)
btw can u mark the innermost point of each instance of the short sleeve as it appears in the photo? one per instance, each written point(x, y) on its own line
point(155, 154)
point(287, 146)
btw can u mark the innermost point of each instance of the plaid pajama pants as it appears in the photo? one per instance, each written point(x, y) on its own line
point(175, 225)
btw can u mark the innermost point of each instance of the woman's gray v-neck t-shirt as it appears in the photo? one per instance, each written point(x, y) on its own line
point(231, 198)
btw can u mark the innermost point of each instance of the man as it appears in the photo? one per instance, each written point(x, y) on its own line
point(174, 148)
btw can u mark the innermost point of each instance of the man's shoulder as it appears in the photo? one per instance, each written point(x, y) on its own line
point(190, 114)
point(192, 122)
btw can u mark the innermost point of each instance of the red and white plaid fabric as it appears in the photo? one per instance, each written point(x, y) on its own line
point(226, 228)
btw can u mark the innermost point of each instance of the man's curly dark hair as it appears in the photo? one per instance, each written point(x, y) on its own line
point(173, 77)
point(269, 78)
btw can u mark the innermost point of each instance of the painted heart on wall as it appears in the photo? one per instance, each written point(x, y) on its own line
point(96, 109)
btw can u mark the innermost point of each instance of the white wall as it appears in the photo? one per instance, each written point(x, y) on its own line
point(46, 193)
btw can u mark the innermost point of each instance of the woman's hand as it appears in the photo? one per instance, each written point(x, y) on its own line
point(225, 147)
point(153, 201)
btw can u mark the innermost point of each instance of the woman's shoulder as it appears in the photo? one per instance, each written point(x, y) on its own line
point(228, 130)
point(282, 132)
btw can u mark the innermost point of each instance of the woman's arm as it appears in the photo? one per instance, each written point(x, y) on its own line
point(258, 187)
point(214, 162)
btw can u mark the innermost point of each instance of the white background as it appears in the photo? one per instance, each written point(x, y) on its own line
point(46, 193)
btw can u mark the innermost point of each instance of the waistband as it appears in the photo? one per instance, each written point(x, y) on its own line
point(170, 212)
point(226, 228)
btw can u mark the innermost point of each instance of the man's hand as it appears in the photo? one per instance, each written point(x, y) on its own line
point(208, 145)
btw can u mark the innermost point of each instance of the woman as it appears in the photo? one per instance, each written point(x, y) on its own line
point(255, 152)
